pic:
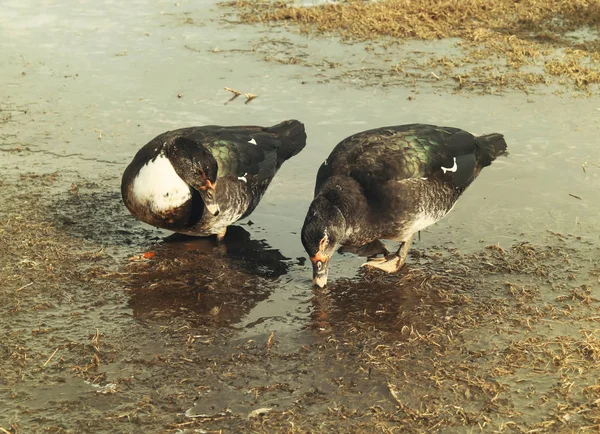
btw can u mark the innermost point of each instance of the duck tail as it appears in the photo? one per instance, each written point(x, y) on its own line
point(292, 136)
point(490, 146)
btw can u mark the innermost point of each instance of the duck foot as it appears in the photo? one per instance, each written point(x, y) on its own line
point(384, 264)
point(391, 263)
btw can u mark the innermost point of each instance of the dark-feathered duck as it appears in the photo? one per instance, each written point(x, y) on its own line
point(390, 183)
point(199, 180)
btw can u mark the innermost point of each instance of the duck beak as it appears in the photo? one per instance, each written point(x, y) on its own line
point(320, 265)
point(209, 197)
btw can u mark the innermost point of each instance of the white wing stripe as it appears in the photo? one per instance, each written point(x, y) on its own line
point(454, 168)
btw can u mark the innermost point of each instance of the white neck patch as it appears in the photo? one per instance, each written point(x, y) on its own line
point(157, 185)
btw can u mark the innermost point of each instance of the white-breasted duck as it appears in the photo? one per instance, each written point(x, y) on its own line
point(199, 180)
point(389, 183)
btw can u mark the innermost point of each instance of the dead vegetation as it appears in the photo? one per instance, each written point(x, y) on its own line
point(504, 44)
point(236, 93)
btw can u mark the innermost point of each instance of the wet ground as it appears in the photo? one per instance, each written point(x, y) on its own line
point(491, 327)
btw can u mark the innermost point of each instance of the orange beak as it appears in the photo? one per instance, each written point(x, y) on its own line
point(320, 263)
point(209, 196)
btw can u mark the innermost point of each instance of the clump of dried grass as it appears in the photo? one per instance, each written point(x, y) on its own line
point(522, 33)
point(423, 19)
point(572, 68)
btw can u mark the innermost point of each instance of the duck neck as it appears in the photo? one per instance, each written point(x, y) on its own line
point(345, 194)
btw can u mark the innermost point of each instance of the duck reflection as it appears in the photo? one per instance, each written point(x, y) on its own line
point(413, 298)
point(253, 256)
point(208, 282)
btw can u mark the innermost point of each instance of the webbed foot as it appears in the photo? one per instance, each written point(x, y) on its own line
point(391, 263)
point(387, 264)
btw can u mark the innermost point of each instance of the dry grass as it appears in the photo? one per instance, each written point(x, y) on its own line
point(474, 20)
point(511, 33)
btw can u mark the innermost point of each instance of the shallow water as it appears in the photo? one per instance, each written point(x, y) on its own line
point(88, 83)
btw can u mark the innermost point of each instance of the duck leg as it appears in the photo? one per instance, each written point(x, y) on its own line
point(221, 235)
point(392, 263)
point(369, 250)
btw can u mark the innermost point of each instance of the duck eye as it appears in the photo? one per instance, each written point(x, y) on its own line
point(319, 265)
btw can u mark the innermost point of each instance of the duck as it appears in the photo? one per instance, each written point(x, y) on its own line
point(199, 180)
point(390, 183)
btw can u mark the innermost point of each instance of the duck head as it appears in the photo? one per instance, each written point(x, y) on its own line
point(323, 230)
point(196, 166)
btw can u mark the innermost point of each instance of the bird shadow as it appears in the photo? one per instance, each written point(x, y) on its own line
point(194, 278)
point(202, 280)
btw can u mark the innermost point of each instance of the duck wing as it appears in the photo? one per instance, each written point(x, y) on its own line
point(414, 151)
point(251, 151)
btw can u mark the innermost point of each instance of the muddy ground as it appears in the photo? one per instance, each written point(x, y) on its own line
point(101, 340)
point(111, 326)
